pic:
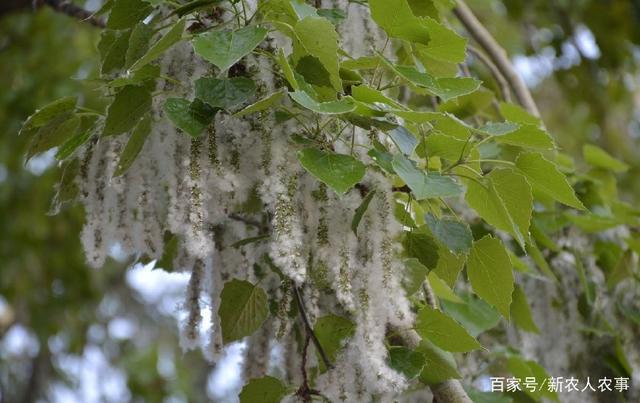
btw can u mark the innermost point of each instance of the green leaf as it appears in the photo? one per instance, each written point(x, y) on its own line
point(86, 130)
point(404, 139)
point(621, 271)
point(302, 9)
point(127, 13)
point(439, 365)
point(169, 39)
point(504, 200)
point(490, 274)
point(449, 265)
point(281, 13)
point(515, 192)
point(362, 208)
point(107, 5)
point(414, 275)
point(48, 113)
point(361, 63)
point(383, 159)
point(224, 93)
point(419, 116)
point(516, 113)
point(406, 361)
point(263, 104)
point(136, 77)
point(398, 21)
point(138, 43)
point(498, 128)
point(318, 38)
point(134, 145)
point(451, 126)
point(522, 369)
point(369, 95)
point(446, 88)
point(443, 331)
point(283, 62)
point(545, 176)
point(444, 146)
point(422, 247)
point(264, 390)
point(474, 314)
point(599, 158)
point(243, 308)
point(454, 234)
point(338, 171)
point(528, 136)
point(344, 105)
point(516, 134)
point(190, 117)
point(332, 331)
point(54, 133)
point(194, 5)
point(424, 185)
point(171, 243)
point(226, 48)
point(441, 289)
point(67, 188)
point(115, 56)
point(128, 106)
point(484, 199)
point(445, 44)
point(540, 261)
point(521, 313)
point(424, 8)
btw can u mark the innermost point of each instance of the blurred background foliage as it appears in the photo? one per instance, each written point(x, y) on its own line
point(580, 57)
point(66, 329)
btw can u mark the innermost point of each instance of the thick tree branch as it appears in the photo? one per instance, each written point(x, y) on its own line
point(449, 391)
point(497, 55)
point(70, 9)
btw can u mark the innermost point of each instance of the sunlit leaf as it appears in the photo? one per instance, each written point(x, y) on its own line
point(490, 274)
point(443, 331)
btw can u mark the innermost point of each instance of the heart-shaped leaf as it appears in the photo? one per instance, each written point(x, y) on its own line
point(226, 48)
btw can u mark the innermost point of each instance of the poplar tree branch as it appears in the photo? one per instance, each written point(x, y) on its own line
point(70, 9)
point(497, 55)
point(449, 391)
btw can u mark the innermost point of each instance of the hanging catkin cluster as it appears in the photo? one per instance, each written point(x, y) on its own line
point(195, 189)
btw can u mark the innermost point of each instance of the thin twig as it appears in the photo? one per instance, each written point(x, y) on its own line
point(309, 330)
point(70, 9)
point(305, 392)
point(497, 55)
